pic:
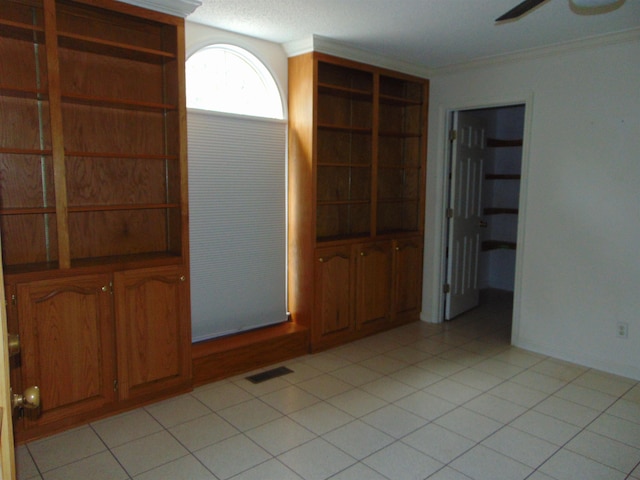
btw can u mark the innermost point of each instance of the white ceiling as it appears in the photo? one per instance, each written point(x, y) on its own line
point(427, 33)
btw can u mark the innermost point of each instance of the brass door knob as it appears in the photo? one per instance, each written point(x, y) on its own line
point(29, 399)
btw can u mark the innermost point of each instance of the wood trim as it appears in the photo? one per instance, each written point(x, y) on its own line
point(57, 135)
point(8, 467)
point(227, 356)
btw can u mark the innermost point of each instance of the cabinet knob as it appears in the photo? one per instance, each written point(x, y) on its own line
point(29, 399)
point(363, 254)
point(397, 249)
point(321, 259)
point(104, 288)
point(13, 344)
point(183, 278)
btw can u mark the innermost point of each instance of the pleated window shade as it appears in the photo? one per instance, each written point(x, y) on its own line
point(237, 222)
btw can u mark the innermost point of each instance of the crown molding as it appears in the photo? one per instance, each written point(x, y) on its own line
point(178, 8)
point(317, 43)
point(552, 50)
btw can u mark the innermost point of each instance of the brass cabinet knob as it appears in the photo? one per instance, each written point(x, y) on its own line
point(104, 288)
point(182, 278)
point(14, 344)
point(29, 399)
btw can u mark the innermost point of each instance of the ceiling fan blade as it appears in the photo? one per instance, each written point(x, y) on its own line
point(520, 10)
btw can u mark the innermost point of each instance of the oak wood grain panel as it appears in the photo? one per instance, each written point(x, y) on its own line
point(112, 77)
point(333, 292)
point(25, 123)
point(129, 181)
point(108, 233)
point(224, 357)
point(301, 185)
point(373, 282)
point(26, 66)
point(68, 345)
point(29, 239)
point(407, 268)
point(90, 128)
point(108, 25)
point(153, 329)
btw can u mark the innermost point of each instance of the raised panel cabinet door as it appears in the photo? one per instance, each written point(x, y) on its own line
point(407, 264)
point(373, 280)
point(333, 287)
point(67, 345)
point(153, 331)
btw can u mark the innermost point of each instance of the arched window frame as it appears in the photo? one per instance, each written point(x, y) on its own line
point(257, 63)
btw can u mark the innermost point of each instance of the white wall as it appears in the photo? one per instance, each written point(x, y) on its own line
point(579, 250)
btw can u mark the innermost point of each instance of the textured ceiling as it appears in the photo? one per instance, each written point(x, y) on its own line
point(428, 33)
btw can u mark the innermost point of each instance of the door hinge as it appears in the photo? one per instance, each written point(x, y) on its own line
point(115, 385)
point(446, 288)
point(449, 212)
point(111, 288)
point(14, 300)
point(453, 135)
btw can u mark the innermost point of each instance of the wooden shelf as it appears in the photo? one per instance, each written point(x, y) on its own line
point(326, 88)
point(343, 165)
point(117, 103)
point(27, 211)
point(85, 43)
point(21, 92)
point(384, 133)
point(25, 151)
point(399, 166)
point(497, 245)
point(501, 143)
point(343, 202)
point(395, 100)
point(22, 31)
point(499, 211)
point(502, 176)
point(124, 207)
point(347, 128)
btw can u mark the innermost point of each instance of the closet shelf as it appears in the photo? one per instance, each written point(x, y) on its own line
point(497, 245)
point(502, 176)
point(498, 211)
point(500, 143)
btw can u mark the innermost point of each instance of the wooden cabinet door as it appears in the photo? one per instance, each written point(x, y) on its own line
point(407, 266)
point(67, 345)
point(373, 282)
point(153, 331)
point(333, 288)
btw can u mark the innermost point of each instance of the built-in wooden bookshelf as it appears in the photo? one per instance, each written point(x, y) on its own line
point(357, 157)
point(93, 204)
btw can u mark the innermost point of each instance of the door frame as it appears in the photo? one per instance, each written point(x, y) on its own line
point(434, 289)
point(7, 452)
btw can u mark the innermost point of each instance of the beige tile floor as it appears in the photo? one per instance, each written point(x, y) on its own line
point(447, 402)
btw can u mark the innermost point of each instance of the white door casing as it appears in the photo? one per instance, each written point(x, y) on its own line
point(464, 212)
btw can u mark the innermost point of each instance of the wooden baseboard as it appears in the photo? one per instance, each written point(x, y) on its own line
point(227, 356)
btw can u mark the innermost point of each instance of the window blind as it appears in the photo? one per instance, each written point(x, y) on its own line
point(237, 222)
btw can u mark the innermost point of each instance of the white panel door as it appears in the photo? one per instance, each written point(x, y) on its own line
point(465, 203)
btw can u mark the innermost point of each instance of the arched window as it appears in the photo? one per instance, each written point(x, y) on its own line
point(237, 192)
point(227, 78)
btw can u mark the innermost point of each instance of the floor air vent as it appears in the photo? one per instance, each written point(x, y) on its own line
point(269, 374)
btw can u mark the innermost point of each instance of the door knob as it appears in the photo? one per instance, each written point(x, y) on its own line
point(29, 399)
point(14, 344)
